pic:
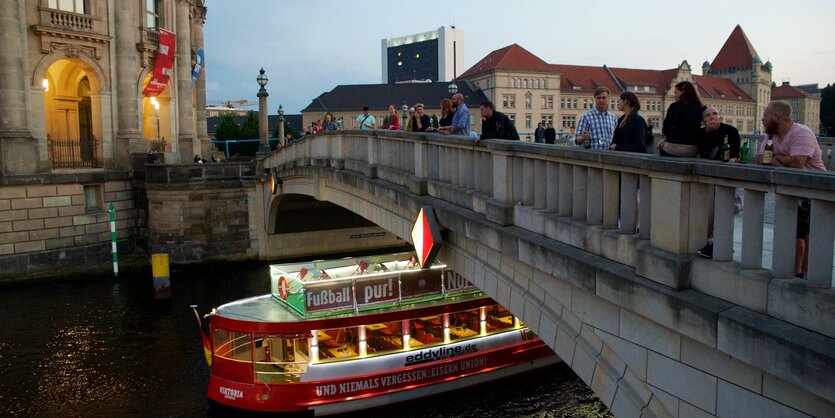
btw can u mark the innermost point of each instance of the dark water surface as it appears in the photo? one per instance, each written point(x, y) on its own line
point(103, 347)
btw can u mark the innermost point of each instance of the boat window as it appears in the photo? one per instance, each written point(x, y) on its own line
point(232, 345)
point(280, 359)
point(338, 344)
point(464, 324)
point(428, 330)
point(498, 319)
point(383, 338)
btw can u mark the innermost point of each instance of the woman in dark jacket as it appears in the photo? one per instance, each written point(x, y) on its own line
point(630, 133)
point(682, 123)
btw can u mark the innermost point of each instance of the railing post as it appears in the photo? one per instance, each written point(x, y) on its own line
point(540, 180)
point(566, 190)
point(528, 181)
point(579, 199)
point(628, 201)
point(645, 212)
point(370, 169)
point(785, 230)
point(418, 185)
point(723, 224)
point(500, 207)
point(752, 228)
point(337, 157)
point(594, 196)
point(552, 193)
point(822, 229)
point(612, 199)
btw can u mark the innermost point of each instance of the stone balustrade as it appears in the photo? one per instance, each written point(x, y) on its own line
point(594, 197)
point(77, 22)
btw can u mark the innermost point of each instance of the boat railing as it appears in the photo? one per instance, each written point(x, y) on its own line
point(279, 371)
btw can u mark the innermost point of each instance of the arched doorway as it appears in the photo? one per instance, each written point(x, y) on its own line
point(156, 119)
point(71, 102)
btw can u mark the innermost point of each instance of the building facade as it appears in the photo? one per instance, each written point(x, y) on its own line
point(530, 91)
point(436, 55)
point(805, 107)
point(75, 121)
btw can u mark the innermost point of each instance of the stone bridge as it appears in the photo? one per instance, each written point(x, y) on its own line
point(595, 252)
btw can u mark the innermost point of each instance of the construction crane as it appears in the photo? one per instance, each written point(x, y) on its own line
point(232, 104)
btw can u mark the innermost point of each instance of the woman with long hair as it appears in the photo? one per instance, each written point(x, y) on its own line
point(630, 132)
point(446, 114)
point(682, 123)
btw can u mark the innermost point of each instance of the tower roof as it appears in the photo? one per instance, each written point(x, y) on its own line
point(737, 52)
point(510, 57)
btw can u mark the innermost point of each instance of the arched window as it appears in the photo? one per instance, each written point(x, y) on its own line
point(525, 83)
point(536, 84)
point(513, 83)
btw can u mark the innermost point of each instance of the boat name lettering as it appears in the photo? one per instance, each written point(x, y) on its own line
point(440, 353)
point(327, 298)
point(401, 378)
point(230, 393)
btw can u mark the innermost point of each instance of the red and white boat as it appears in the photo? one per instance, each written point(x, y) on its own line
point(349, 334)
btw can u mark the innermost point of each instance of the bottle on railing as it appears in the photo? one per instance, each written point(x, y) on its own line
point(743, 153)
point(587, 143)
point(726, 150)
point(768, 152)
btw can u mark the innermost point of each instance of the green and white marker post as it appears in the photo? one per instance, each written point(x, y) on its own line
point(113, 240)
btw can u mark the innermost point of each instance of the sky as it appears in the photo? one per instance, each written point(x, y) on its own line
point(308, 47)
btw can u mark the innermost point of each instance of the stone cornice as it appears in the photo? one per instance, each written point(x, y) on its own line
point(66, 34)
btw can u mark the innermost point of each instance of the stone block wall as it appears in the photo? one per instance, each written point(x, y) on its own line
point(47, 228)
point(202, 221)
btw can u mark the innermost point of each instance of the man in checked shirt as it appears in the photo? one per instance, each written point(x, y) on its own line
point(597, 125)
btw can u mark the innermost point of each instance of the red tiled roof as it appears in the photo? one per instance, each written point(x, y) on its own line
point(584, 78)
point(660, 79)
point(509, 57)
point(720, 89)
point(737, 52)
point(787, 91)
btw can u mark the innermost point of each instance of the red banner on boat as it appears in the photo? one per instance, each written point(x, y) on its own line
point(376, 290)
point(163, 64)
point(323, 297)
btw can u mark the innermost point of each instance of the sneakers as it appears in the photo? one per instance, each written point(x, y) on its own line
point(707, 250)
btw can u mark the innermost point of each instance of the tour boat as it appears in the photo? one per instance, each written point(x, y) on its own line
point(343, 335)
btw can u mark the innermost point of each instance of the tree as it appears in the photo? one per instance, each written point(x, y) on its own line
point(228, 129)
point(774, 84)
point(434, 121)
point(828, 110)
point(250, 129)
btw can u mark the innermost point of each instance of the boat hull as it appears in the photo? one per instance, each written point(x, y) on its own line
point(338, 395)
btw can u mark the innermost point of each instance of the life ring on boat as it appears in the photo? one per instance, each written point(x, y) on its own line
point(283, 288)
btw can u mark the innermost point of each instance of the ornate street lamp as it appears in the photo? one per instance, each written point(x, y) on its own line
point(452, 88)
point(281, 125)
point(263, 146)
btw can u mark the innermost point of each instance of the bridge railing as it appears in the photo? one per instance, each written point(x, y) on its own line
point(608, 203)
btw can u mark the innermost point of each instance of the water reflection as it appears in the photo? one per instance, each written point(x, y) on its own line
point(99, 346)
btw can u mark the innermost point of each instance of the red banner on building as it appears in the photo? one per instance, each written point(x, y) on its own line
point(163, 64)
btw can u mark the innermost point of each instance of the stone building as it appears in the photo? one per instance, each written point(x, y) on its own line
point(530, 91)
point(75, 122)
point(805, 106)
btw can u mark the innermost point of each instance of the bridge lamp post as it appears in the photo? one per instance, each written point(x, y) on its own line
point(405, 108)
point(263, 146)
point(452, 88)
point(281, 125)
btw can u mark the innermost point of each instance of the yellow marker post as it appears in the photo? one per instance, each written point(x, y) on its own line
point(161, 275)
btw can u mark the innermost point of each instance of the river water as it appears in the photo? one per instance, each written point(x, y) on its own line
point(103, 347)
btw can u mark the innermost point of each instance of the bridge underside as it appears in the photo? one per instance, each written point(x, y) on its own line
point(644, 349)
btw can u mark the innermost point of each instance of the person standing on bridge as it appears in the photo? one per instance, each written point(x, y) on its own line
point(495, 124)
point(597, 126)
point(329, 125)
point(392, 121)
point(419, 121)
point(682, 123)
point(461, 118)
point(365, 121)
point(539, 134)
point(550, 134)
point(631, 130)
point(795, 146)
